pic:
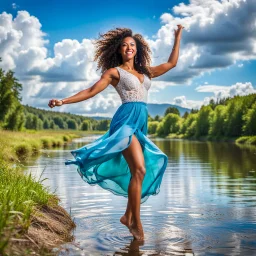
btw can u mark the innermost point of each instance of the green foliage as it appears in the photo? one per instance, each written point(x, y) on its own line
point(86, 125)
point(191, 130)
point(233, 125)
point(46, 124)
point(203, 121)
point(71, 124)
point(229, 117)
point(152, 126)
point(185, 115)
point(157, 118)
point(249, 118)
point(150, 118)
point(172, 110)
point(187, 124)
point(19, 195)
point(217, 123)
point(169, 124)
point(160, 130)
point(16, 119)
point(102, 125)
point(11, 114)
point(59, 122)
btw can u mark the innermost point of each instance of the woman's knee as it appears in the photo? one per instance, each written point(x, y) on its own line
point(139, 172)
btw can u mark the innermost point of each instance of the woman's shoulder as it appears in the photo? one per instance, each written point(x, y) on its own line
point(114, 74)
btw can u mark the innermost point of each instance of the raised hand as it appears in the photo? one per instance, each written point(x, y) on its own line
point(177, 32)
point(54, 102)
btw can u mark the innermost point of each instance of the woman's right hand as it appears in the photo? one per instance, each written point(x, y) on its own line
point(178, 31)
point(54, 102)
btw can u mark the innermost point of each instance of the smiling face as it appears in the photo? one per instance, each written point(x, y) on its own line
point(128, 48)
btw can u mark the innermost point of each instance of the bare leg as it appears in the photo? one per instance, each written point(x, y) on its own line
point(134, 157)
point(126, 219)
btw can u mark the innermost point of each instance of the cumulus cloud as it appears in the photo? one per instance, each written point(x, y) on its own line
point(241, 89)
point(182, 101)
point(219, 92)
point(217, 34)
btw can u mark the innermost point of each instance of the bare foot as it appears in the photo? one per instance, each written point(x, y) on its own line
point(124, 220)
point(137, 232)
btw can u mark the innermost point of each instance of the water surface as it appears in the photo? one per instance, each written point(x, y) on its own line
point(206, 205)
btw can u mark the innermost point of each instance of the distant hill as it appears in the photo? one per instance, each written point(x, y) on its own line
point(159, 109)
point(101, 117)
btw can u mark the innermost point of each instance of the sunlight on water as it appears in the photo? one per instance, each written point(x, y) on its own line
point(206, 206)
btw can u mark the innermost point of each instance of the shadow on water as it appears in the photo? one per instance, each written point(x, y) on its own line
point(206, 205)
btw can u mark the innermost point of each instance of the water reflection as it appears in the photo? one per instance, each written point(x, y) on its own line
point(206, 205)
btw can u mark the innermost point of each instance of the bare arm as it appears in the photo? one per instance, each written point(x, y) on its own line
point(173, 58)
point(88, 93)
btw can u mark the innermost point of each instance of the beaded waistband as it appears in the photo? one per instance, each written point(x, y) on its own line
point(137, 102)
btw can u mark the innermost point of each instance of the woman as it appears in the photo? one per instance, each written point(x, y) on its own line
point(123, 160)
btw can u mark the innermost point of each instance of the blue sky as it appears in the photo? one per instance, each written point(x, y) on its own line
point(217, 54)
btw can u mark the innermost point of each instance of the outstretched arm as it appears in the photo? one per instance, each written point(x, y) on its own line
point(99, 86)
point(173, 58)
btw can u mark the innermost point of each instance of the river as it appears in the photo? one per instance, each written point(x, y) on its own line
point(206, 205)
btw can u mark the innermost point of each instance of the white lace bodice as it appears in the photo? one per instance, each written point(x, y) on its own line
point(130, 88)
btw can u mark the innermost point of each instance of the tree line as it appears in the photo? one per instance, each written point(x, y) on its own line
point(229, 117)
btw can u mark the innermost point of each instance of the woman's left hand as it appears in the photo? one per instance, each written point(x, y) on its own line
point(177, 32)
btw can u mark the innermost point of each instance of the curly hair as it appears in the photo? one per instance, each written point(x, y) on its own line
point(108, 44)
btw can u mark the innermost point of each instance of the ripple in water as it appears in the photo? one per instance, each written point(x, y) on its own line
point(206, 205)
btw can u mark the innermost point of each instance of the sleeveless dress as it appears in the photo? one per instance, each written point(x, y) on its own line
point(101, 162)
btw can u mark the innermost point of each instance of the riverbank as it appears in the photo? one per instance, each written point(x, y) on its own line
point(248, 140)
point(31, 220)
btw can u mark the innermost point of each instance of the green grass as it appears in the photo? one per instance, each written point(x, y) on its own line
point(19, 146)
point(19, 196)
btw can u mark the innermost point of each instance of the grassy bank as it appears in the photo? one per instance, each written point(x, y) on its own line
point(248, 140)
point(31, 220)
point(18, 146)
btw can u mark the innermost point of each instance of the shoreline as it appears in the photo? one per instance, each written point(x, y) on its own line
point(242, 140)
point(32, 222)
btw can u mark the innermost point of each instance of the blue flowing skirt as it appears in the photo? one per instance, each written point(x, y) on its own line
point(102, 162)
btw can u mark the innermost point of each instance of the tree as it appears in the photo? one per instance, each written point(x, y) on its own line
point(15, 120)
point(86, 125)
point(234, 116)
point(218, 121)
point(102, 125)
point(186, 125)
point(157, 118)
point(11, 109)
point(59, 122)
point(194, 111)
point(172, 110)
point(72, 124)
point(29, 121)
point(185, 115)
point(203, 121)
point(46, 124)
point(152, 126)
point(249, 127)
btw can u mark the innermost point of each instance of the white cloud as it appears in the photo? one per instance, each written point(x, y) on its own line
point(241, 89)
point(219, 92)
point(14, 6)
point(216, 35)
point(211, 40)
point(185, 103)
